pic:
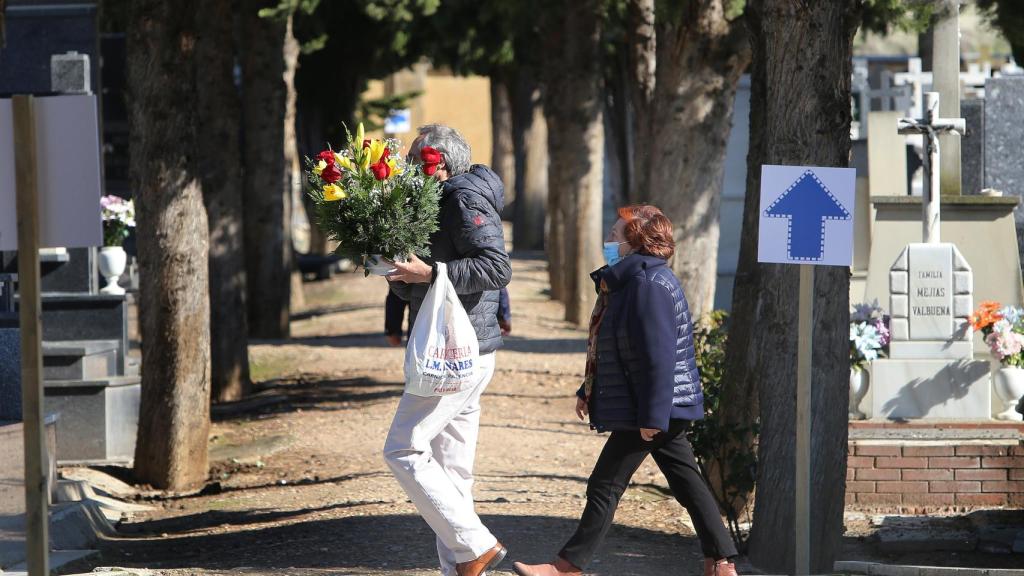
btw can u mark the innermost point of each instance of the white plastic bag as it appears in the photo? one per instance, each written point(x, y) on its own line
point(443, 349)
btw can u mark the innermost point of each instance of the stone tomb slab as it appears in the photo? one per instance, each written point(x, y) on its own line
point(953, 390)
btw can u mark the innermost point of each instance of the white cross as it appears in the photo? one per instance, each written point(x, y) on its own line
point(931, 126)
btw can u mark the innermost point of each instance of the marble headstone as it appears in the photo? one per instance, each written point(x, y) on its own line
point(972, 147)
point(931, 371)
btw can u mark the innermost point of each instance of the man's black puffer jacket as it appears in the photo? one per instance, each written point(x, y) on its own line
point(471, 242)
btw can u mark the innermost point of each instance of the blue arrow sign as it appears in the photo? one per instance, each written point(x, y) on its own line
point(807, 203)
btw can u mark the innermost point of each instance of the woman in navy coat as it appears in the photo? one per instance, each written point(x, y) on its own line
point(643, 386)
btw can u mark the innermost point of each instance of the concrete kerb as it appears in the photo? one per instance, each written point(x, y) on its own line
point(878, 569)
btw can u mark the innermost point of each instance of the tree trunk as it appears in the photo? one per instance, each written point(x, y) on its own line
point(685, 73)
point(800, 115)
point(503, 159)
point(295, 209)
point(574, 106)
point(530, 142)
point(173, 240)
point(266, 70)
point(219, 123)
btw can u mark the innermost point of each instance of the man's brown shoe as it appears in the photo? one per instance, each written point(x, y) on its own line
point(720, 568)
point(560, 567)
point(488, 560)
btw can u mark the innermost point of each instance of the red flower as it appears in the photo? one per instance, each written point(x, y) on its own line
point(326, 156)
point(431, 158)
point(366, 143)
point(331, 173)
point(381, 170)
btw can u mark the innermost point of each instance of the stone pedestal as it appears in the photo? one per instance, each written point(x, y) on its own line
point(911, 389)
point(99, 418)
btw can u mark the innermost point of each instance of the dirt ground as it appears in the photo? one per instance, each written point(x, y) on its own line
point(298, 484)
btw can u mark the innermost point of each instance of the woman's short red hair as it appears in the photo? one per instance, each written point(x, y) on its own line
point(648, 230)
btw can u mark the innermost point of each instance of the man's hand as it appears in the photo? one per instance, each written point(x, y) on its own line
point(582, 410)
point(415, 271)
point(506, 327)
point(648, 434)
point(395, 340)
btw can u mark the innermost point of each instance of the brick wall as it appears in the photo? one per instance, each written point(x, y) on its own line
point(922, 477)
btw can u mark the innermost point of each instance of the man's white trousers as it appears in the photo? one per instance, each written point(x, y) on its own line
point(430, 448)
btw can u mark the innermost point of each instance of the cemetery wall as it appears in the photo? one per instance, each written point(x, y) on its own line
point(918, 478)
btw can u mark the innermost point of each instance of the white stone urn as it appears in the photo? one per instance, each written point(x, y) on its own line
point(112, 263)
point(858, 388)
point(377, 265)
point(1009, 386)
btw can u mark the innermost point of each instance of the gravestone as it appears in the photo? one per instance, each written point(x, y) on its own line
point(931, 371)
point(10, 353)
point(1004, 135)
point(972, 147)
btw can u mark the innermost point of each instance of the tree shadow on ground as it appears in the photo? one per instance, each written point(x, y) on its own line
point(352, 340)
point(308, 394)
point(325, 310)
point(388, 542)
point(546, 346)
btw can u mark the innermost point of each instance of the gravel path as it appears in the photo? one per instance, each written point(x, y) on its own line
point(298, 484)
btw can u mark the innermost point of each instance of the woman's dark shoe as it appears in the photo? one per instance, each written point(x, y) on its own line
point(488, 560)
point(720, 568)
point(560, 567)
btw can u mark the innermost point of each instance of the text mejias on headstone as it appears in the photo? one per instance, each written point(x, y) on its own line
point(931, 293)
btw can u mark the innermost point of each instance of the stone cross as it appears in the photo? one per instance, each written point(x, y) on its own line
point(917, 80)
point(932, 126)
point(892, 95)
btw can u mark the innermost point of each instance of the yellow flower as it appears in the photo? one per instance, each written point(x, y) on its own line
point(360, 136)
point(319, 167)
point(333, 192)
point(364, 163)
point(396, 169)
point(377, 148)
point(344, 161)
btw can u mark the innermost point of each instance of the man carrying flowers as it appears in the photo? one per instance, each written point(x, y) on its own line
point(432, 442)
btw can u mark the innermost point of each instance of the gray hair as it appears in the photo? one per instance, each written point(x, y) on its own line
point(449, 142)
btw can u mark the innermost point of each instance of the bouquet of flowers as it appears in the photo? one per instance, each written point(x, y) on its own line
point(371, 202)
point(118, 218)
point(869, 334)
point(1003, 329)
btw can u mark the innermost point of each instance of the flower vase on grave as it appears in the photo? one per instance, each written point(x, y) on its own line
point(1008, 382)
point(112, 264)
point(858, 388)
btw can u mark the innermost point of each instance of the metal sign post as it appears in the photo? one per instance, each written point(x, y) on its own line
point(36, 482)
point(806, 219)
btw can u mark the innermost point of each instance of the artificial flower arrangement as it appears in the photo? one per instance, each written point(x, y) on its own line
point(1003, 330)
point(869, 335)
point(118, 219)
point(372, 202)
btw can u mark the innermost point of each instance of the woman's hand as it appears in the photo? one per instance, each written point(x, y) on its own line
point(648, 434)
point(581, 408)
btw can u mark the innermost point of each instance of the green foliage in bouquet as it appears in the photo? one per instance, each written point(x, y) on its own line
point(371, 202)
